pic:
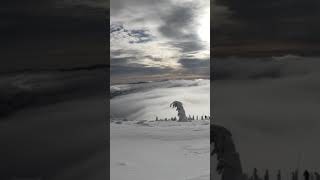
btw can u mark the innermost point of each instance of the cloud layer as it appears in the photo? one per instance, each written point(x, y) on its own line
point(154, 99)
point(265, 27)
point(271, 106)
point(158, 35)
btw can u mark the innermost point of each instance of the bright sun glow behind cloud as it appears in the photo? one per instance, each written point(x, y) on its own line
point(204, 26)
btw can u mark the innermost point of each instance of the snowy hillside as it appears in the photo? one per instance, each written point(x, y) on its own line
point(160, 150)
point(146, 146)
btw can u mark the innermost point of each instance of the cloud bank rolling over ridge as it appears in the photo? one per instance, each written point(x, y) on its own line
point(155, 97)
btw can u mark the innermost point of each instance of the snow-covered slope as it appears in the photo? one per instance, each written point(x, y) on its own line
point(160, 150)
point(143, 148)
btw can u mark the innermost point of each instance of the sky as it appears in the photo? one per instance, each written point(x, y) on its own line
point(166, 38)
point(50, 34)
point(47, 34)
point(263, 28)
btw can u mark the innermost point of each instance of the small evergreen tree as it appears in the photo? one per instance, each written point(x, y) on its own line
point(266, 175)
point(279, 175)
point(255, 174)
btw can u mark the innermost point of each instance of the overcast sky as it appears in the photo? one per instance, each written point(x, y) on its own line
point(43, 34)
point(264, 28)
point(159, 38)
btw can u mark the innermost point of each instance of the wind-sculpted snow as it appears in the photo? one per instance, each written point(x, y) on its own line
point(147, 101)
point(181, 113)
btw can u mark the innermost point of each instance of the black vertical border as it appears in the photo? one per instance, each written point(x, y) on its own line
point(107, 46)
point(211, 82)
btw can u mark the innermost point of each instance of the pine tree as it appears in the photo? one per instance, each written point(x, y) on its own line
point(279, 175)
point(255, 174)
point(317, 176)
point(266, 175)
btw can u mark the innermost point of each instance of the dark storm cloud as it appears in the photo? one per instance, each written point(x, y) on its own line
point(124, 67)
point(196, 66)
point(176, 21)
point(137, 69)
point(51, 34)
point(258, 22)
point(190, 45)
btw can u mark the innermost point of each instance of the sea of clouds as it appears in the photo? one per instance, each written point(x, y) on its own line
point(146, 101)
point(26, 89)
point(271, 105)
